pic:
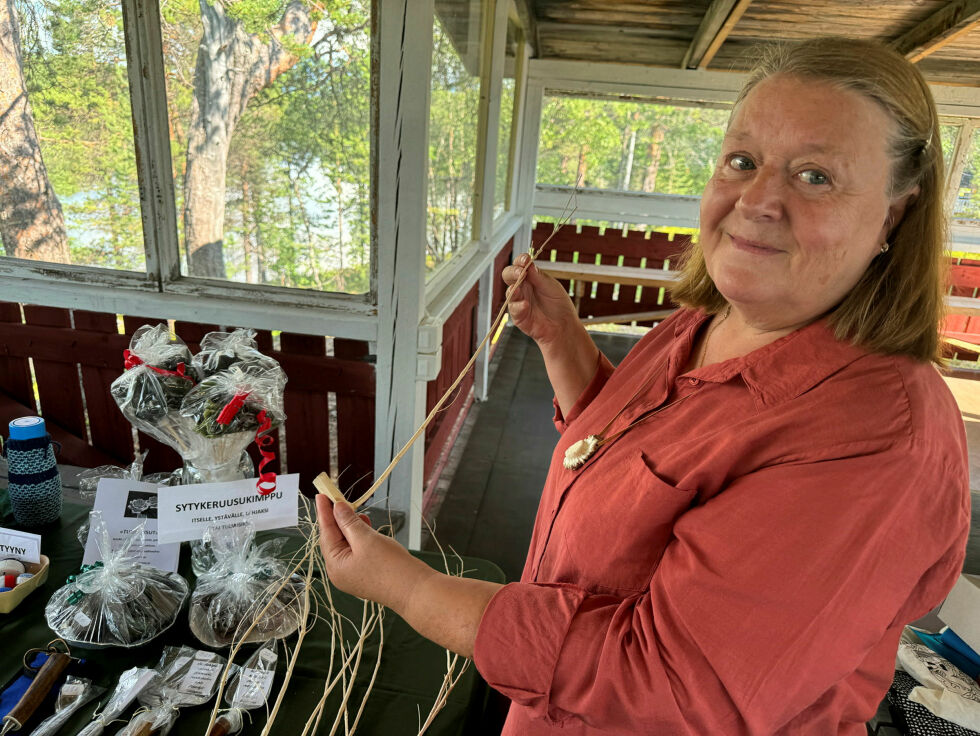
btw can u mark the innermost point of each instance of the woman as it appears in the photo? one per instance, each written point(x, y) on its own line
point(738, 520)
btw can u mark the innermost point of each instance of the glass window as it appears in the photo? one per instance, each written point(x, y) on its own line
point(948, 133)
point(967, 203)
point(453, 120)
point(514, 46)
point(68, 192)
point(628, 146)
point(270, 136)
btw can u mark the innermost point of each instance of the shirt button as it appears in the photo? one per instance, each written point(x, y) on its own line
point(694, 381)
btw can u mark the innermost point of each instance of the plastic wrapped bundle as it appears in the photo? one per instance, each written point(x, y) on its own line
point(233, 400)
point(158, 376)
point(88, 480)
point(73, 695)
point(117, 601)
point(187, 677)
point(227, 411)
point(130, 683)
point(248, 689)
point(236, 581)
point(221, 350)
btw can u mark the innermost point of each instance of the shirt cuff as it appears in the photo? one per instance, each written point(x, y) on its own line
point(532, 620)
point(603, 370)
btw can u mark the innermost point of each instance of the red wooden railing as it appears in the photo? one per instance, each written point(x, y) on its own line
point(612, 247)
point(964, 277)
point(77, 354)
point(657, 248)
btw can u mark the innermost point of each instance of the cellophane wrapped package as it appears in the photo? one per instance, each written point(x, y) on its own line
point(117, 601)
point(158, 376)
point(131, 682)
point(240, 583)
point(250, 687)
point(187, 677)
point(74, 694)
point(208, 407)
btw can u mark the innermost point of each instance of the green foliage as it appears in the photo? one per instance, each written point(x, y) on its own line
point(75, 72)
point(453, 119)
point(967, 205)
point(629, 146)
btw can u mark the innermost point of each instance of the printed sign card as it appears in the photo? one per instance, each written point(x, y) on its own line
point(20, 545)
point(185, 512)
point(125, 503)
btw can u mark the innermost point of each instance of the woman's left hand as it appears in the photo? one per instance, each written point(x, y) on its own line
point(362, 562)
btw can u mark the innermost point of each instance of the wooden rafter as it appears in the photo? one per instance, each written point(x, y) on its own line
point(718, 21)
point(525, 13)
point(942, 27)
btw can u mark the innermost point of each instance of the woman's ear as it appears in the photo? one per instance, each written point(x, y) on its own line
point(896, 211)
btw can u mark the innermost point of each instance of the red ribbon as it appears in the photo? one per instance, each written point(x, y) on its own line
point(267, 481)
point(231, 408)
point(131, 361)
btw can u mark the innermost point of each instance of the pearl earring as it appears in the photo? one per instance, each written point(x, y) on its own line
point(885, 246)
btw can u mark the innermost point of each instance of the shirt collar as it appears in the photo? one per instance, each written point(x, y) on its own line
point(781, 370)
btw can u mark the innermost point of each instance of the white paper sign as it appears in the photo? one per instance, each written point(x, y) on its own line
point(20, 546)
point(125, 503)
point(187, 511)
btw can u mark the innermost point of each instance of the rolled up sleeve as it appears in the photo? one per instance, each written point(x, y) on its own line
point(604, 369)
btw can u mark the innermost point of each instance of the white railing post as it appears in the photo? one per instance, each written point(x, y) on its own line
point(400, 106)
point(491, 87)
point(528, 163)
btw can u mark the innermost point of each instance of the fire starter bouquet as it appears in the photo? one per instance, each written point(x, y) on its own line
point(209, 407)
point(236, 579)
point(117, 601)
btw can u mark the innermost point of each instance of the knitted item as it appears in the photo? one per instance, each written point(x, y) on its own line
point(34, 485)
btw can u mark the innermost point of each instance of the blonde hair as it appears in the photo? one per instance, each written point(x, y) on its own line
point(897, 305)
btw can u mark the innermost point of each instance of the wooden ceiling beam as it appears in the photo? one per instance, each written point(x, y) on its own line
point(718, 21)
point(529, 22)
point(942, 27)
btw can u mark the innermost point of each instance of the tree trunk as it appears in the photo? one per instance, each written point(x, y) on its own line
point(32, 224)
point(582, 167)
point(232, 67)
point(656, 143)
point(628, 174)
point(251, 275)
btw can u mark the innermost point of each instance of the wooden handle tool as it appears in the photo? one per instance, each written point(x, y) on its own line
point(47, 677)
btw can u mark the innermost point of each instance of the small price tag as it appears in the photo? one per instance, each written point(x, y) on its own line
point(253, 687)
point(200, 678)
point(82, 620)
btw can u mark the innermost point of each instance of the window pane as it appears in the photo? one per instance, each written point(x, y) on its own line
point(270, 134)
point(628, 146)
point(948, 133)
point(967, 204)
point(453, 115)
point(514, 45)
point(68, 187)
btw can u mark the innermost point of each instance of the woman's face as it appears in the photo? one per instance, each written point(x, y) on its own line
point(798, 203)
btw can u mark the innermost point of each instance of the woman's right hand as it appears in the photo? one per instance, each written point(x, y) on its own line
point(540, 307)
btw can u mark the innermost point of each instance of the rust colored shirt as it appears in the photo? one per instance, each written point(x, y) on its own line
point(742, 562)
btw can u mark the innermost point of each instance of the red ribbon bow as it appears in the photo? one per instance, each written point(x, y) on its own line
point(266, 483)
point(130, 360)
point(231, 408)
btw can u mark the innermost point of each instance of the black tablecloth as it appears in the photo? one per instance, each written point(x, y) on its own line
point(409, 677)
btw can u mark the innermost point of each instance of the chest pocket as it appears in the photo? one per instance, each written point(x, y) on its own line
point(613, 529)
